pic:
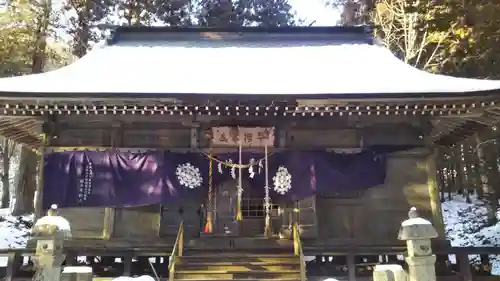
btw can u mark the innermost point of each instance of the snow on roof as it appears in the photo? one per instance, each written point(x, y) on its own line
point(254, 67)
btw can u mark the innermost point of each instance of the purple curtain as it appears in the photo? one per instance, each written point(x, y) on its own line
point(174, 189)
point(120, 179)
point(345, 173)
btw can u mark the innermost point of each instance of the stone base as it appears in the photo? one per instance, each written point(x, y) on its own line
point(77, 273)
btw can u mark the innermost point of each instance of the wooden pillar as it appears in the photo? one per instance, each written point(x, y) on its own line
point(40, 183)
point(285, 214)
point(465, 268)
point(351, 267)
point(110, 213)
point(12, 266)
point(433, 188)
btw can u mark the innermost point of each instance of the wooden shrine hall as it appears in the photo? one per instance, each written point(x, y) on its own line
point(276, 124)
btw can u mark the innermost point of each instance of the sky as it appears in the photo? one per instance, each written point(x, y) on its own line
point(315, 10)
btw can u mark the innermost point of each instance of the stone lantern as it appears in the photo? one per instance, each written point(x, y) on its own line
point(50, 232)
point(418, 232)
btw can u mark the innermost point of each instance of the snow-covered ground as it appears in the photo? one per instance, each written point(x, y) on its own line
point(14, 231)
point(464, 224)
point(465, 227)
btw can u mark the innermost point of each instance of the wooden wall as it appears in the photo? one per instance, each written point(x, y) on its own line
point(374, 216)
point(85, 222)
point(138, 222)
point(370, 217)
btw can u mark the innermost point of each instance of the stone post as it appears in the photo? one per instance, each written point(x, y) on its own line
point(50, 232)
point(418, 232)
point(386, 272)
point(77, 273)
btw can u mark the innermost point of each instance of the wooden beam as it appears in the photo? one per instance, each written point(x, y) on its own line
point(110, 213)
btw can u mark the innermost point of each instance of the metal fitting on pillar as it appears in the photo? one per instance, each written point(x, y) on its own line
point(50, 232)
point(418, 232)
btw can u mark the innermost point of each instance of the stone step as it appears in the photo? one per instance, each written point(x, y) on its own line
point(237, 243)
point(287, 262)
point(199, 268)
point(166, 279)
point(218, 275)
point(249, 279)
point(209, 259)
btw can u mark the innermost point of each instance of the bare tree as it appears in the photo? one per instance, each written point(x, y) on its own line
point(354, 12)
point(401, 26)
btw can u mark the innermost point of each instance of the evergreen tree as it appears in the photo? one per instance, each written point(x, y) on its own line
point(227, 13)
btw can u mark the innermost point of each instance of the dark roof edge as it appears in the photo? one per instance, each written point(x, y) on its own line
point(393, 97)
point(351, 33)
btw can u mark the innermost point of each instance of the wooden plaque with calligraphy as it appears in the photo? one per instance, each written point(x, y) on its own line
point(249, 136)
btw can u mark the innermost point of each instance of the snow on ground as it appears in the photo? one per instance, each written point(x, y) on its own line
point(464, 222)
point(465, 225)
point(14, 231)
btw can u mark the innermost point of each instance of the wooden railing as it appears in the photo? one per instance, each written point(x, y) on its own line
point(297, 249)
point(176, 252)
point(134, 260)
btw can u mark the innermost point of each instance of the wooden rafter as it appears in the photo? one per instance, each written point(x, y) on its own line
point(24, 130)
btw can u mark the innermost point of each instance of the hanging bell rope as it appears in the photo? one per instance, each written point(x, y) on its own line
point(267, 199)
point(240, 182)
point(209, 225)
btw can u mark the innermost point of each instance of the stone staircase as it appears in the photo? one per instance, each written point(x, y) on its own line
point(238, 265)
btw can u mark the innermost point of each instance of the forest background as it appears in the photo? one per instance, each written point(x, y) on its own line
point(454, 37)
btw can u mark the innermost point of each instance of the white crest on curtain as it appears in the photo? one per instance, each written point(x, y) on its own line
point(282, 180)
point(189, 176)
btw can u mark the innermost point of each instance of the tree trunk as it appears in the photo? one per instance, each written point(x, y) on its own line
point(488, 191)
point(6, 174)
point(441, 178)
point(83, 33)
point(459, 169)
point(42, 28)
point(464, 167)
point(469, 171)
point(475, 171)
point(450, 168)
point(26, 183)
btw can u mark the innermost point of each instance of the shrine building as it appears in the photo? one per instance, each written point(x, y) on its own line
point(242, 133)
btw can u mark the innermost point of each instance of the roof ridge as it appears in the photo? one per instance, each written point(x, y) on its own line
point(290, 33)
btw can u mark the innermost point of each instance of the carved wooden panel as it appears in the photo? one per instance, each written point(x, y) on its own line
point(90, 225)
point(137, 222)
point(322, 138)
point(95, 137)
point(307, 217)
point(392, 134)
point(336, 219)
point(385, 225)
point(168, 138)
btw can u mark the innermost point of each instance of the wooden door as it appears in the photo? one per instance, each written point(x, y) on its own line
point(225, 208)
point(173, 214)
